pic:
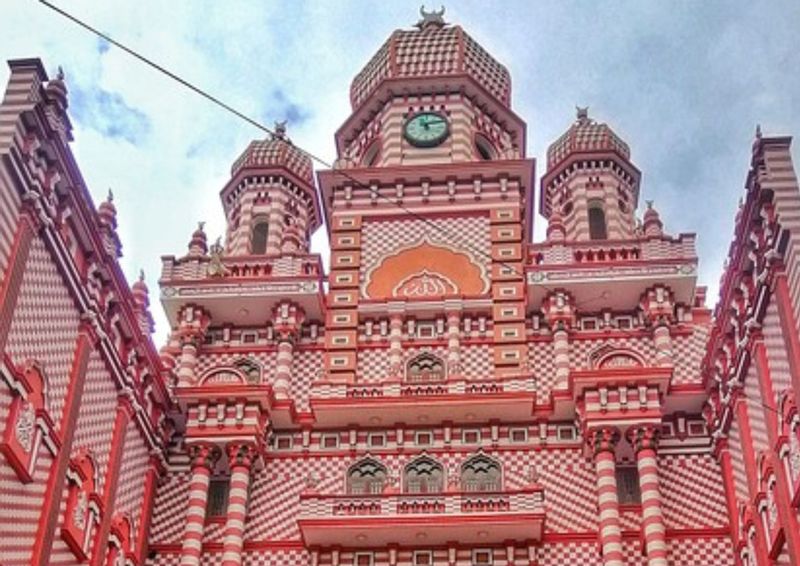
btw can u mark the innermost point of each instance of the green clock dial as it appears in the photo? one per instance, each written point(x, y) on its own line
point(426, 129)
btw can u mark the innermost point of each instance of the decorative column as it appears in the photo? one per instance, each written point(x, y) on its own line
point(658, 308)
point(644, 440)
point(203, 459)
point(240, 460)
point(276, 224)
point(396, 346)
point(287, 318)
point(559, 312)
point(453, 343)
point(603, 442)
point(191, 330)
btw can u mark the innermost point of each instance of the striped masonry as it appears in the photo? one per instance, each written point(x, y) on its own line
point(283, 368)
point(203, 458)
point(240, 458)
point(652, 517)
point(604, 441)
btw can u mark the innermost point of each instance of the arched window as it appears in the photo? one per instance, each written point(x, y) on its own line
point(480, 473)
point(366, 477)
point(425, 368)
point(597, 221)
point(250, 369)
point(424, 475)
point(484, 148)
point(371, 155)
point(258, 242)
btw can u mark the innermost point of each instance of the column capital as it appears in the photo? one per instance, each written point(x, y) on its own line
point(602, 439)
point(241, 453)
point(204, 455)
point(644, 436)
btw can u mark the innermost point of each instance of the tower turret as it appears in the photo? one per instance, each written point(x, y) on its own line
point(591, 181)
point(270, 202)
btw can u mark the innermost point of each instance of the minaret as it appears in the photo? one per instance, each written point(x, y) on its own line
point(591, 182)
point(270, 202)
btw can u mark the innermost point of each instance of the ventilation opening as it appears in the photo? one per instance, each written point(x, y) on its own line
point(628, 486)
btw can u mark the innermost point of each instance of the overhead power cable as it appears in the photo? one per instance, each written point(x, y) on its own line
point(454, 239)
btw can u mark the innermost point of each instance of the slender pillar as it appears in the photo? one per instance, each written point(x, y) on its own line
point(663, 343)
point(283, 366)
point(276, 223)
point(561, 353)
point(203, 459)
point(396, 346)
point(644, 440)
point(603, 442)
point(453, 343)
point(240, 459)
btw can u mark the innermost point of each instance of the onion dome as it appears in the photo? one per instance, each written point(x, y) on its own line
point(198, 245)
point(277, 151)
point(434, 49)
point(652, 221)
point(107, 211)
point(586, 136)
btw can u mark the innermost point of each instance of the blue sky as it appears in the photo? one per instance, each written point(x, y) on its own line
point(684, 83)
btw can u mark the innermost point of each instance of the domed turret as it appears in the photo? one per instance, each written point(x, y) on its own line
point(271, 191)
point(652, 221)
point(432, 49)
point(591, 181)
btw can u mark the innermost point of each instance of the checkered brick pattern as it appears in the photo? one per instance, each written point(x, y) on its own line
point(630, 519)
point(130, 486)
point(687, 355)
point(776, 353)
point(569, 489)
point(307, 367)
point(700, 552)
point(95, 425)
point(477, 361)
point(9, 218)
point(737, 461)
point(276, 558)
point(169, 510)
point(586, 135)
point(578, 553)
point(755, 411)
point(372, 365)
point(580, 350)
point(543, 366)
point(275, 152)
point(383, 238)
point(164, 559)
point(441, 51)
point(692, 492)
point(213, 532)
point(45, 325)
point(632, 550)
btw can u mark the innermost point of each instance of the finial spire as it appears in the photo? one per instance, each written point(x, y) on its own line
point(758, 131)
point(649, 204)
point(110, 197)
point(582, 113)
point(431, 18)
point(141, 275)
point(60, 73)
point(279, 132)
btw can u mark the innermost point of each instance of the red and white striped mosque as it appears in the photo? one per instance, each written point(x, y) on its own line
point(446, 393)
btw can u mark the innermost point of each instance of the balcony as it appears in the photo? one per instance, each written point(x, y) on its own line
point(502, 399)
point(256, 283)
point(364, 521)
point(616, 271)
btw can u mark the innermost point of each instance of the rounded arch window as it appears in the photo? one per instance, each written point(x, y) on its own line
point(366, 477)
point(484, 148)
point(480, 473)
point(258, 238)
point(424, 475)
point(597, 220)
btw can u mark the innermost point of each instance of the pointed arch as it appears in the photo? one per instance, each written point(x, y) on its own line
point(425, 368)
point(423, 475)
point(367, 476)
point(481, 473)
point(609, 356)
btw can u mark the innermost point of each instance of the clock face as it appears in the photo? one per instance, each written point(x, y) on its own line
point(426, 129)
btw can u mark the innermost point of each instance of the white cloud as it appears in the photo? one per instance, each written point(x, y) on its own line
point(684, 84)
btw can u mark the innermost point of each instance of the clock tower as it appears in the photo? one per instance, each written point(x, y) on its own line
point(428, 205)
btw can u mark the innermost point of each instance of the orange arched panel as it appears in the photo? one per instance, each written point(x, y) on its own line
point(425, 271)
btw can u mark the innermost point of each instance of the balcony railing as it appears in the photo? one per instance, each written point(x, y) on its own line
point(400, 389)
point(241, 267)
point(610, 251)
